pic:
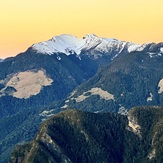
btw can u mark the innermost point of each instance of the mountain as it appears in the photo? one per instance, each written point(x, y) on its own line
point(76, 136)
point(54, 68)
point(36, 84)
point(50, 70)
point(1, 60)
point(135, 79)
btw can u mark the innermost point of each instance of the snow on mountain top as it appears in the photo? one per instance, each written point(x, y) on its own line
point(134, 47)
point(69, 44)
point(91, 37)
point(69, 40)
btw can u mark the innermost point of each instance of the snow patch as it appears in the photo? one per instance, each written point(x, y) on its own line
point(67, 101)
point(136, 47)
point(115, 56)
point(59, 58)
point(123, 111)
point(122, 47)
point(150, 98)
point(65, 106)
point(152, 55)
point(133, 47)
point(78, 57)
point(122, 94)
point(161, 50)
point(92, 41)
point(141, 48)
point(46, 113)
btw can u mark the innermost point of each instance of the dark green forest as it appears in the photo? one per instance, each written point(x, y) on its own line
point(76, 136)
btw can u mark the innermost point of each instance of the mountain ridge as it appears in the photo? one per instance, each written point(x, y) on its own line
point(102, 137)
point(129, 79)
point(70, 44)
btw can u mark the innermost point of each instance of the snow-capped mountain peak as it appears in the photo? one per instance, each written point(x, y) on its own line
point(69, 44)
point(65, 43)
point(68, 40)
point(92, 37)
point(135, 47)
point(91, 41)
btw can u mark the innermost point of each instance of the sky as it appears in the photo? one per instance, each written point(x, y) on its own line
point(25, 22)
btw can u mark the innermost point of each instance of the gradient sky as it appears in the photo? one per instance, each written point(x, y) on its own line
point(24, 22)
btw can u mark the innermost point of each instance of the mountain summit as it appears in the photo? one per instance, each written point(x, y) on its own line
point(69, 44)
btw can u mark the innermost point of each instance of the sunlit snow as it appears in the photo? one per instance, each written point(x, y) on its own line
point(69, 44)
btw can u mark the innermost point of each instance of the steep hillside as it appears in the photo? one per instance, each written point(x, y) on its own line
point(20, 128)
point(75, 136)
point(135, 79)
point(32, 79)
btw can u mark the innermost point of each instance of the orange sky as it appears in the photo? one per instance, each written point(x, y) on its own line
point(23, 22)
